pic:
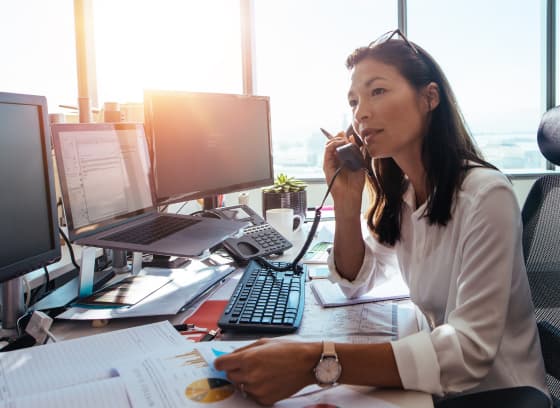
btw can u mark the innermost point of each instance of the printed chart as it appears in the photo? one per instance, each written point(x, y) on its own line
point(187, 378)
point(208, 390)
point(182, 379)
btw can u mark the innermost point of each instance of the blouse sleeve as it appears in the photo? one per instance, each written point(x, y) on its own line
point(379, 265)
point(458, 354)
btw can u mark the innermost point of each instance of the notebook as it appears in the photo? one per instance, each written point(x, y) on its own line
point(329, 293)
point(107, 189)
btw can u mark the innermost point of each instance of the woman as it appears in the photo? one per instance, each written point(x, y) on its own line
point(451, 222)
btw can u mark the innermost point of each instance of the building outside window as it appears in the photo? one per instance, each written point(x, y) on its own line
point(493, 55)
point(492, 52)
point(300, 64)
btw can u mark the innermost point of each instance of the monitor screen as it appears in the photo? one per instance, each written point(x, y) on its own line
point(203, 144)
point(104, 171)
point(28, 214)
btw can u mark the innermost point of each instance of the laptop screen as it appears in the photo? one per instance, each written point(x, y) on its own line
point(104, 171)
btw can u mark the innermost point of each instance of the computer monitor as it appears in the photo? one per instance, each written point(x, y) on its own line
point(205, 144)
point(28, 214)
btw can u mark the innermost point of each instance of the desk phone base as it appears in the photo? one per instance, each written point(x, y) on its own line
point(265, 300)
point(259, 238)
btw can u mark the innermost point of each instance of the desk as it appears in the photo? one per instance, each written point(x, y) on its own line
point(72, 329)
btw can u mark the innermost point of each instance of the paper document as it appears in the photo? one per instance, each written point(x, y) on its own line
point(145, 366)
point(318, 254)
point(126, 292)
point(57, 370)
point(103, 393)
point(182, 379)
point(186, 285)
point(329, 294)
point(189, 379)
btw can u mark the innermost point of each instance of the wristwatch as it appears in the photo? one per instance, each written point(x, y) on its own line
point(328, 369)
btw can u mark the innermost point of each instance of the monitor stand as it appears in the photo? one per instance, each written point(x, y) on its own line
point(210, 202)
point(13, 306)
point(119, 267)
point(120, 264)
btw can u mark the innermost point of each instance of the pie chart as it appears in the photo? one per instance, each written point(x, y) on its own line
point(208, 390)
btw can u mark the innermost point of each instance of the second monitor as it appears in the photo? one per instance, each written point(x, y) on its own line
point(204, 144)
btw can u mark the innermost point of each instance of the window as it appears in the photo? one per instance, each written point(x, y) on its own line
point(301, 49)
point(492, 54)
point(166, 44)
point(38, 50)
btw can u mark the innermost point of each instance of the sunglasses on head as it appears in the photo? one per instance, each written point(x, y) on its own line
point(389, 35)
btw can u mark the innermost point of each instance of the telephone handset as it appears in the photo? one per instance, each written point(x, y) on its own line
point(349, 154)
point(258, 239)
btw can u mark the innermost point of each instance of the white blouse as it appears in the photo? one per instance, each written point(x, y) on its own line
point(469, 280)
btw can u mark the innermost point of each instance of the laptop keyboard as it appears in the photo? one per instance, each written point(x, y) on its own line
point(265, 300)
point(152, 230)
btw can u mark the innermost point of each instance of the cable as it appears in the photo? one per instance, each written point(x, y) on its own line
point(181, 207)
point(26, 340)
point(47, 280)
point(24, 318)
point(27, 292)
point(50, 336)
point(72, 257)
point(294, 265)
point(47, 288)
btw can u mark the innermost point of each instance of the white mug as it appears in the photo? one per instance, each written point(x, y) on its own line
point(283, 220)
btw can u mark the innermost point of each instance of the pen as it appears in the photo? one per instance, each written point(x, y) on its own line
point(349, 132)
point(358, 139)
point(211, 335)
point(327, 134)
point(190, 327)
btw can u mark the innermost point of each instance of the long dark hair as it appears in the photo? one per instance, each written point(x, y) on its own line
point(447, 147)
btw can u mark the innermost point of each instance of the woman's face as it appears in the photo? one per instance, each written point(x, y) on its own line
point(389, 114)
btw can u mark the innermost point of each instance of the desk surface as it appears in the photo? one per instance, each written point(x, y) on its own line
point(67, 329)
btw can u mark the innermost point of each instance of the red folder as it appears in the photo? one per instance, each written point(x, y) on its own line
point(207, 316)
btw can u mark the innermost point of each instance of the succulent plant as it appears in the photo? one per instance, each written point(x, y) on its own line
point(285, 184)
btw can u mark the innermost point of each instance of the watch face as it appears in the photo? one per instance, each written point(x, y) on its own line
point(328, 370)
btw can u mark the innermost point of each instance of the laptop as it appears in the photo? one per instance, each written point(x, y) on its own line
point(108, 193)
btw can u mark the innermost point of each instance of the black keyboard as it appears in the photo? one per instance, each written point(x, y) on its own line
point(151, 231)
point(265, 300)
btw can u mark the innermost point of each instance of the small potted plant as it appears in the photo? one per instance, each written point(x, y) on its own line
point(286, 192)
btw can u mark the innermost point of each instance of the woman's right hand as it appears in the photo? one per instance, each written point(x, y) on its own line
point(348, 184)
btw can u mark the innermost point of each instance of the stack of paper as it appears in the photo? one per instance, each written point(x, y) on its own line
point(79, 372)
point(182, 287)
point(126, 292)
point(142, 367)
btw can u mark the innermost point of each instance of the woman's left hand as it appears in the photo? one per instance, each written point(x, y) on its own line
point(270, 370)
